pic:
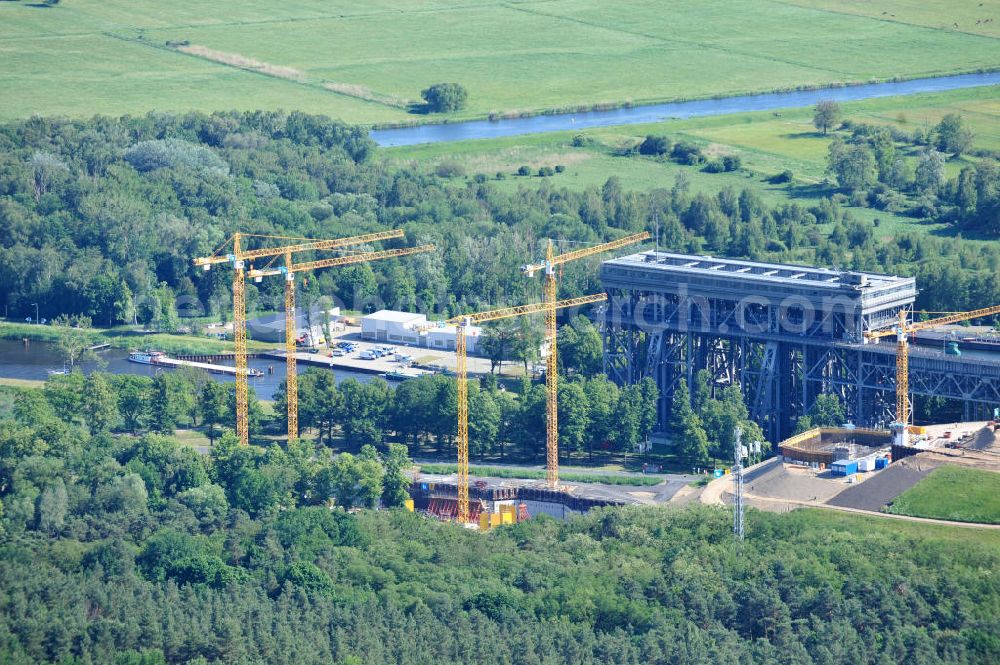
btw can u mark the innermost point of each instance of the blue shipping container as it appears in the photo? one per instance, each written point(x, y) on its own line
point(881, 463)
point(844, 467)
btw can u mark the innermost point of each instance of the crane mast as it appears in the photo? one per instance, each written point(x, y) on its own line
point(289, 270)
point(462, 381)
point(902, 332)
point(291, 371)
point(462, 385)
point(551, 333)
point(551, 376)
point(240, 343)
point(239, 259)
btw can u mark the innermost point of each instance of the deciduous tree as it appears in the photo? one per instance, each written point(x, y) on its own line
point(826, 115)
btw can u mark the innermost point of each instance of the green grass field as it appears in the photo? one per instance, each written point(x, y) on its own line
point(83, 56)
point(767, 143)
point(953, 493)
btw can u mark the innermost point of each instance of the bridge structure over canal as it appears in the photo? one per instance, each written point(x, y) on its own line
point(786, 333)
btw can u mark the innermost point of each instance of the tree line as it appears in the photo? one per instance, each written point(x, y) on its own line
point(101, 217)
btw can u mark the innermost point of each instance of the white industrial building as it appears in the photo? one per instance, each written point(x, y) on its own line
point(271, 327)
point(414, 329)
point(386, 325)
point(444, 337)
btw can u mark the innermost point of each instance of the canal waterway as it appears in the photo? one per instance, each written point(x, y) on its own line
point(484, 129)
point(34, 362)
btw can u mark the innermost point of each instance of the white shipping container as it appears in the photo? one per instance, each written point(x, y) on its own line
point(866, 464)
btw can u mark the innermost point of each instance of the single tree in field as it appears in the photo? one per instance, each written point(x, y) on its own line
point(826, 115)
point(445, 97)
point(953, 136)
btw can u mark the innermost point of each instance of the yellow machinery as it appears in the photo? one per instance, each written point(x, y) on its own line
point(902, 332)
point(506, 515)
point(289, 270)
point(551, 361)
point(460, 323)
point(238, 258)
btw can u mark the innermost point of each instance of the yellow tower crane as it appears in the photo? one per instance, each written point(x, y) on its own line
point(289, 270)
point(551, 361)
point(461, 371)
point(238, 258)
point(902, 332)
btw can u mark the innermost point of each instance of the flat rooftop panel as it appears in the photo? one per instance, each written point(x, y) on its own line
point(749, 271)
point(393, 316)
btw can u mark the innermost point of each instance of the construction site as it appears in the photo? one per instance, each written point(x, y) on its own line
point(785, 334)
point(281, 261)
point(787, 482)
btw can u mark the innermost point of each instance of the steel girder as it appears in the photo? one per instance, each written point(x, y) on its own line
point(670, 336)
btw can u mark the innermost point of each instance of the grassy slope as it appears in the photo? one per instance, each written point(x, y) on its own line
point(953, 493)
point(86, 56)
point(923, 532)
point(767, 143)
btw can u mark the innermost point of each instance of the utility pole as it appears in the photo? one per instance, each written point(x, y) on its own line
point(738, 480)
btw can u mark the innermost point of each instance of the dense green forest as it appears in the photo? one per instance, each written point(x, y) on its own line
point(122, 549)
point(102, 217)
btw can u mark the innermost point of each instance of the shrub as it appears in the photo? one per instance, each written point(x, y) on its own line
point(560, 168)
point(655, 145)
point(546, 171)
point(581, 140)
point(449, 169)
point(524, 170)
point(480, 178)
point(731, 163)
point(686, 153)
point(501, 175)
point(445, 97)
point(781, 178)
point(714, 166)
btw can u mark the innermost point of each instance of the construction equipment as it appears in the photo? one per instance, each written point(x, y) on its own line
point(902, 332)
point(461, 371)
point(551, 361)
point(238, 258)
point(289, 270)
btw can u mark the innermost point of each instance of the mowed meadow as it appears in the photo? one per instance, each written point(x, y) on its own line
point(367, 62)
